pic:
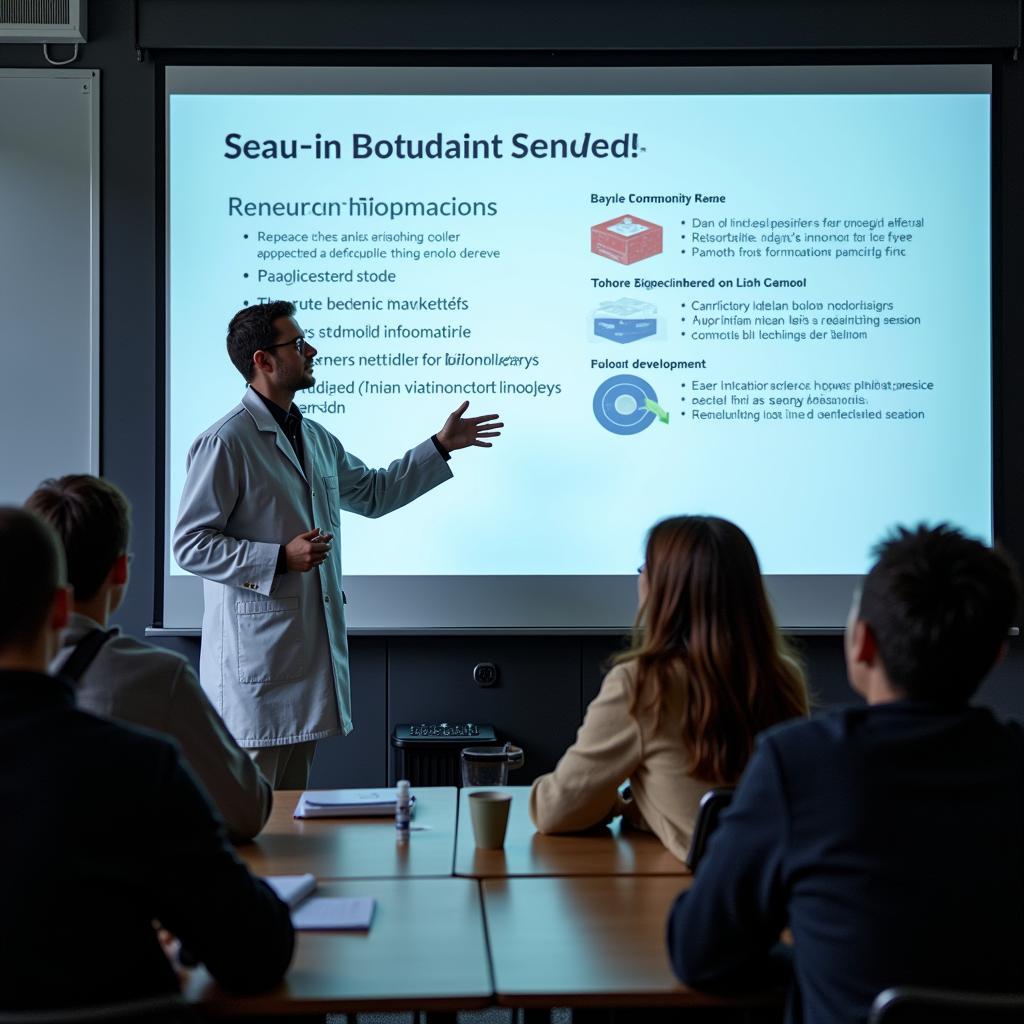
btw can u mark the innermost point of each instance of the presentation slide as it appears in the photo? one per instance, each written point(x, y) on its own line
point(757, 293)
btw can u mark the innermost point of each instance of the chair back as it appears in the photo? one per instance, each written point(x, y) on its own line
point(909, 1005)
point(712, 804)
point(163, 1009)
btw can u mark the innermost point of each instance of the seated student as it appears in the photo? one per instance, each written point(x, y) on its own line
point(134, 681)
point(677, 714)
point(105, 832)
point(888, 838)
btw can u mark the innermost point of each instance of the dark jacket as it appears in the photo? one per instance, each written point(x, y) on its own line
point(890, 839)
point(105, 832)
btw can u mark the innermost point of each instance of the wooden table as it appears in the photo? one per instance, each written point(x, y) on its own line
point(356, 847)
point(425, 950)
point(606, 851)
point(587, 942)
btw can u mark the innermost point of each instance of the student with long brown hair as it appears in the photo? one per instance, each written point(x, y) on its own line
point(677, 714)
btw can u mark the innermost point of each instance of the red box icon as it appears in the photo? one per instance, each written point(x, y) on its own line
point(626, 239)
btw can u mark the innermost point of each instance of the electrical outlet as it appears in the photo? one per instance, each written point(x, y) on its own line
point(485, 674)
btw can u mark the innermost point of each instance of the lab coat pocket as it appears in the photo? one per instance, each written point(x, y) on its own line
point(333, 498)
point(270, 640)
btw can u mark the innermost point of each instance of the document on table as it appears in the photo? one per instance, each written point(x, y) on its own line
point(348, 803)
point(335, 913)
point(321, 913)
point(293, 889)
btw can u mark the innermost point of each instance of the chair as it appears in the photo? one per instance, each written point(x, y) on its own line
point(908, 1005)
point(712, 803)
point(167, 1009)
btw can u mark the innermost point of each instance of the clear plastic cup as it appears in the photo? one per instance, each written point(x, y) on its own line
point(489, 766)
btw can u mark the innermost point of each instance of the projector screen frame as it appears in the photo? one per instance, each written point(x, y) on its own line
point(623, 588)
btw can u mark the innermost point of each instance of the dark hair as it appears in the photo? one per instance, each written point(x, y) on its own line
point(940, 606)
point(707, 628)
point(251, 329)
point(92, 517)
point(31, 569)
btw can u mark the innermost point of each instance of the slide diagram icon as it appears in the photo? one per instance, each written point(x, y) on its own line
point(626, 239)
point(625, 404)
point(626, 320)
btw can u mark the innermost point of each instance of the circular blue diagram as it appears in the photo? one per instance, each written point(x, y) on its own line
point(620, 404)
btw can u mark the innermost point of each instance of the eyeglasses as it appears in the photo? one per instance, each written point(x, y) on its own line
point(300, 344)
point(641, 569)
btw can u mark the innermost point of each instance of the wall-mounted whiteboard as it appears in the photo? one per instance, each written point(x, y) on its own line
point(49, 275)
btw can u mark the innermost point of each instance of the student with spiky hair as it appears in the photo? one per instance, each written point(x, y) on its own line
point(888, 838)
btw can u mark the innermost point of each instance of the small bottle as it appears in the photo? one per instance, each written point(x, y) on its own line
point(402, 809)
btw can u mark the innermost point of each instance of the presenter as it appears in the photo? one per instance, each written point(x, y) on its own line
point(258, 512)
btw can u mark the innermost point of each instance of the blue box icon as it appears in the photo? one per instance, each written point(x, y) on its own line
point(625, 320)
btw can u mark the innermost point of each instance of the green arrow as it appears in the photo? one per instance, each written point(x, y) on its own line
point(653, 406)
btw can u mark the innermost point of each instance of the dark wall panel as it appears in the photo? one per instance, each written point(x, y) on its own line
point(822, 658)
point(577, 24)
point(361, 757)
point(596, 654)
point(535, 703)
point(1003, 691)
point(1008, 310)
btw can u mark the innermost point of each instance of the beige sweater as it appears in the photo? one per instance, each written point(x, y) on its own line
point(614, 745)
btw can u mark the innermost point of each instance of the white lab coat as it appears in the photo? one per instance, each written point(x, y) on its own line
point(274, 658)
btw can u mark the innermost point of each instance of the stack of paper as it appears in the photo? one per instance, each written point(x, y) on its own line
point(348, 803)
point(293, 889)
point(321, 913)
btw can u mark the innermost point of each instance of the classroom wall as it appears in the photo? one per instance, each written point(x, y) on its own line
point(545, 682)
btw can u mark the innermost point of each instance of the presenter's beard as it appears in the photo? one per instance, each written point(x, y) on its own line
point(306, 380)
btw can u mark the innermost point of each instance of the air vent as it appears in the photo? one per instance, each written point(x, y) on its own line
point(42, 21)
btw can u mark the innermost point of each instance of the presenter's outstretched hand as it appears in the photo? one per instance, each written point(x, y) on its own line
point(464, 431)
point(308, 550)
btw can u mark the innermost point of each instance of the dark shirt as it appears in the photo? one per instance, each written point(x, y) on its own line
point(290, 422)
point(105, 832)
point(889, 839)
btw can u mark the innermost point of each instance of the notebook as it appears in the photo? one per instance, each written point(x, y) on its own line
point(349, 803)
point(321, 913)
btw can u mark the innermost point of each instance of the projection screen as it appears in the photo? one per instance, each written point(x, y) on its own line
point(759, 293)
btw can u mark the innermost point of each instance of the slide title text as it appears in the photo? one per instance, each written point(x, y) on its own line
point(435, 147)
